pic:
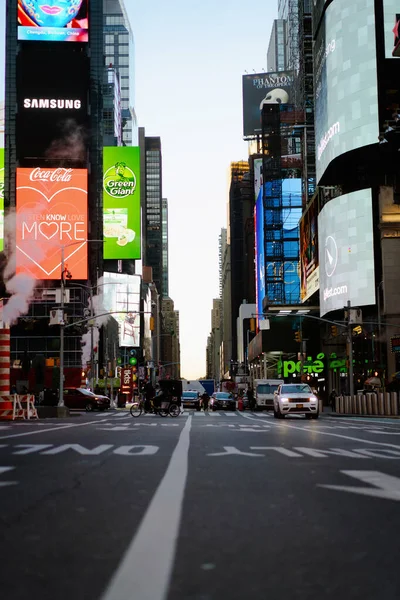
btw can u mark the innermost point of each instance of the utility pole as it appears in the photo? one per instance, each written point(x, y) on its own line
point(91, 340)
point(350, 350)
point(61, 385)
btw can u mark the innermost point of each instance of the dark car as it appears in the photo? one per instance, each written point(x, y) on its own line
point(191, 399)
point(223, 400)
point(80, 398)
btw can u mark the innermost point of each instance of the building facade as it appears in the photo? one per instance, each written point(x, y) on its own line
point(276, 55)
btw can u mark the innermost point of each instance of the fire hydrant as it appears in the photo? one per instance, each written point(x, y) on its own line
point(240, 404)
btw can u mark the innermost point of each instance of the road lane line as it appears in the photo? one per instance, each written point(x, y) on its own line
point(339, 435)
point(146, 568)
point(14, 435)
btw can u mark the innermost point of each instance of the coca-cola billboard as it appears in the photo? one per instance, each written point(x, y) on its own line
point(51, 213)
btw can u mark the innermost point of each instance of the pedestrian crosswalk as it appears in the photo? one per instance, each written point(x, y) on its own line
point(123, 414)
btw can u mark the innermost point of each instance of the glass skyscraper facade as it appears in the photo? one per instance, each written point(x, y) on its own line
point(165, 278)
point(119, 50)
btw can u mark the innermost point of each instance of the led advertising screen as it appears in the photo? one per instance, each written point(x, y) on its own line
point(259, 238)
point(121, 296)
point(1, 199)
point(391, 10)
point(51, 212)
point(121, 202)
point(346, 252)
point(52, 118)
point(2, 68)
point(53, 20)
point(260, 89)
point(317, 10)
point(309, 259)
point(346, 93)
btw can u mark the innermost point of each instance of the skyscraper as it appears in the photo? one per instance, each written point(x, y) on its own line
point(165, 274)
point(119, 50)
point(276, 55)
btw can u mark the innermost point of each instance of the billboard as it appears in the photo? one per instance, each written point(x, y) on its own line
point(259, 237)
point(346, 252)
point(53, 20)
point(391, 21)
point(52, 119)
point(309, 260)
point(260, 89)
point(51, 211)
point(1, 199)
point(2, 68)
point(121, 296)
point(345, 72)
point(121, 202)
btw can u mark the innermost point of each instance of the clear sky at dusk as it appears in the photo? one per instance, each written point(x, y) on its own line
point(190, 58)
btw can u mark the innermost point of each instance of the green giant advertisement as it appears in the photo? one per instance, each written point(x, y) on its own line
point(1, 199)
point(121, 202)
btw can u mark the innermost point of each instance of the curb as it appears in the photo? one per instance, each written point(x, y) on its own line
point(337, 416)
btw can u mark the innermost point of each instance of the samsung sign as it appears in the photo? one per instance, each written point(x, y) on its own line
point(53, 103)
point(346, 252)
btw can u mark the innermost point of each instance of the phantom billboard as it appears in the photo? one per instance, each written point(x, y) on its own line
point(121, 296)
point(260, 89)
point(121, 202)
point(346, 252)
point(309, 264)
point(53, 20)
point(51, 212)
point(346, 91)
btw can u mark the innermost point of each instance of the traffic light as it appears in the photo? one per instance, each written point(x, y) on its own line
point(252, 325)
point(133, 360)
point(132, 352)
point(297, 336)
point(334, 330)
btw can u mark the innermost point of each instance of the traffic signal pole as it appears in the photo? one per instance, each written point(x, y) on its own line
point(350, 350)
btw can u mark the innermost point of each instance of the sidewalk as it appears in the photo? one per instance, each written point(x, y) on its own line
point(330, 413)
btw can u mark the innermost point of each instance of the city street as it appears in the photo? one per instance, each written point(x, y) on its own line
point(203, 507)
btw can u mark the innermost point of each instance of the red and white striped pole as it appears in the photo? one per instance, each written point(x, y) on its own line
point(4, 355)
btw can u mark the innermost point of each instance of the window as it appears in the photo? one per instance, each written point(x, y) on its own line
point(109, 39)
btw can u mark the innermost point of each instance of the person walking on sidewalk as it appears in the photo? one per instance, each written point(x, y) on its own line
point(205, 401)
point(332, 399)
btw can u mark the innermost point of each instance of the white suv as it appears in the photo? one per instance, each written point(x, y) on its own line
point(295, 398)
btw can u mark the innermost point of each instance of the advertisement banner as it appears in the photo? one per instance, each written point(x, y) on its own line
point(309, 264)
point(51, 212)
point(391, 10)
point(259, 229)
point(121, 296)
point(1, 199)
point(346, 252)
point(2, 68)
point(260, 89)
point(345, 73)
point(53, 21)
point(121, 202)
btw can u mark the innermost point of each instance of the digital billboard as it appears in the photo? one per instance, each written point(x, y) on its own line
point(53, 20)
point(346, 93)
point(309, 260)
point(1, 199)
point(121, 202)
point(121, 296)
point(259, 238)
point(52, 119)
point(391, 10)
point(51, 211)
point(2, 68)
point(260, 89)
point(346, 252)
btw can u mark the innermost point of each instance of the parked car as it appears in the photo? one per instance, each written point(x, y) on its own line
point(223, 400)
point(295, 398)
point(80, 398)
point(191, 399)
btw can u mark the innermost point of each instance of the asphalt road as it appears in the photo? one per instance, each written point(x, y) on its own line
point(204, 507)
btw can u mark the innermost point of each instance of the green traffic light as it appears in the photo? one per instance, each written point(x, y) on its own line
point(133, 361)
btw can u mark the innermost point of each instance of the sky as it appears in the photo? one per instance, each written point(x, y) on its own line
point(190, 58)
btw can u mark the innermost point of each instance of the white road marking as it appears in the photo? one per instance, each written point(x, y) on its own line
point(231, 450)
point(7, 483)
point(14, 435)
point(339, 435)
point(155, 541)
point(383, 432)
point(278, 449)
point(385, 486)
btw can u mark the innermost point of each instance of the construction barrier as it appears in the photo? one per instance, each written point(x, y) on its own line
point(4, 361)
point(17, 407)
point(379, 404)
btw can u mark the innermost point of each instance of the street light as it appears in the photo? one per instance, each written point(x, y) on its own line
point(62, 323)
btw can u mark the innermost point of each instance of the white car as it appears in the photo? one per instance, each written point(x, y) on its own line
point(295, 398)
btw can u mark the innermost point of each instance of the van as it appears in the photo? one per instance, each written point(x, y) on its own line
point(264, 390)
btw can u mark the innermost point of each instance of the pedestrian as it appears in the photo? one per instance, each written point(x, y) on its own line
point(332, 399)
point(205, 399)
point(251, 399)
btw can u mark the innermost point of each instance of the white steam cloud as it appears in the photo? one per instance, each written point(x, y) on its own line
point(101, 318)
point(71, 144)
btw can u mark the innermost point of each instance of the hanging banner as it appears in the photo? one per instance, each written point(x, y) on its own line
point(121, 202)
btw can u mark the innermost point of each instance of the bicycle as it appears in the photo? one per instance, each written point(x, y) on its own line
point(167, 407)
